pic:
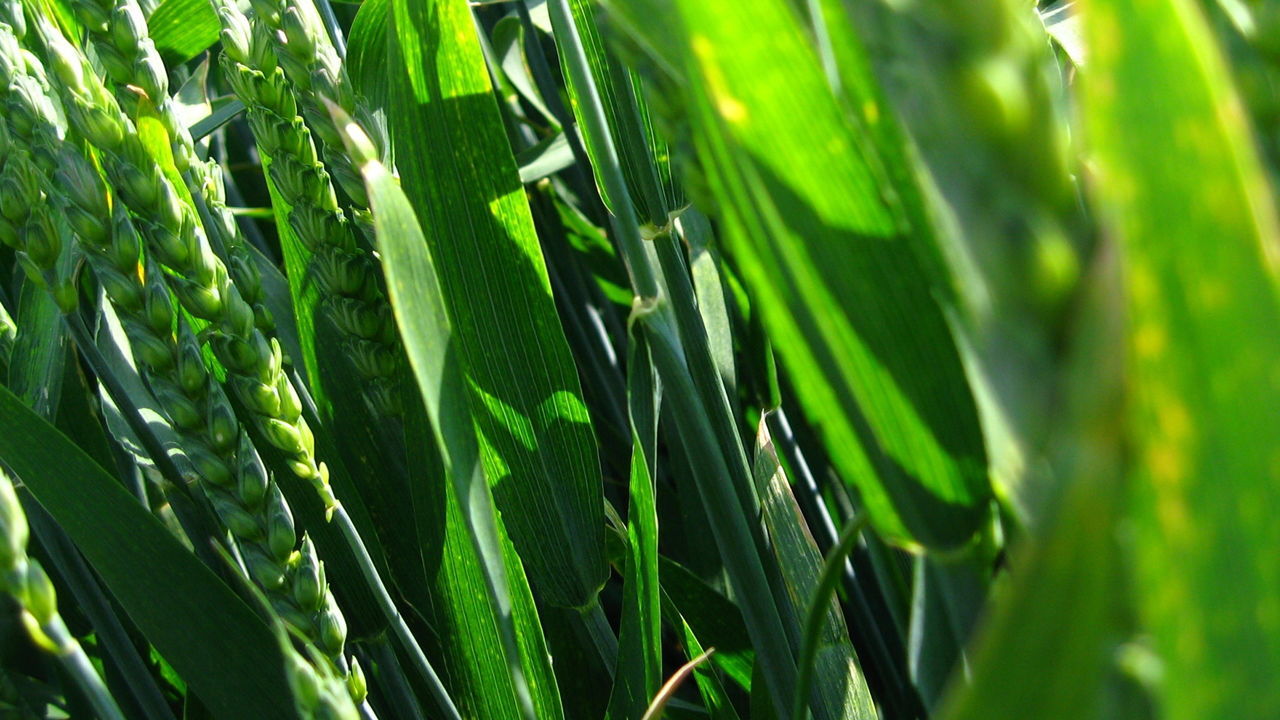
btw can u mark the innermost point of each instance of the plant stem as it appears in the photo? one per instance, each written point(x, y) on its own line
point(113, 639)
point(398, 625)
point(623, 218)
point(77, 664)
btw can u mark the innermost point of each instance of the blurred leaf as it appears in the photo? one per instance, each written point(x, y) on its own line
point(1045, 649)
point(195, 621)
point(1062, 22)
point(1181, 185)
point(830, 259)
point(977, 88)
point(1065, 604)
point(536, 440)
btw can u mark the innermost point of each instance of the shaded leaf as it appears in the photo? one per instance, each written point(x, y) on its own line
point(193, 619)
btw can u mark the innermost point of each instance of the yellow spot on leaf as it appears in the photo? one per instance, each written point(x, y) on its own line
point(1150, 341)
point(1166, 462)
point(1173, 420)
point(1212, 293)
point(1142, 284)
point(729, 107)
point(871, 111)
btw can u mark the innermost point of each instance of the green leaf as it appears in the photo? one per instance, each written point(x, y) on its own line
point(509, 45)
point(39, 352)
point(1181, 186)
point(367, 52)
point(484, 594)
point(713, 301)
point(182, 29)
point(710, 616)
point(550, 155)
point(537, 444)
point(225, 653)
point(847, 299)
point(640, 155)
point(639, 669)
point(945, 604)
point(842, 692)
point(714, 697)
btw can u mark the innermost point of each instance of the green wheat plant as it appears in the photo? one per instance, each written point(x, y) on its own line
point(626, 359)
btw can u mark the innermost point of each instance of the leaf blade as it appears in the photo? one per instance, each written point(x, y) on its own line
point(537, 444)
point(197, 627)
point(1194, 353)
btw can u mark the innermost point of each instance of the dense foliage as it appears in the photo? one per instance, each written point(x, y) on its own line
point(842, 359)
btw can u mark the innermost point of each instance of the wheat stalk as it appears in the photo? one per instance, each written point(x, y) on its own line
point(243, 494)
point(176, 239)
point(23, 579)
point(311, 62)
point(120, 38)
point(347, 274)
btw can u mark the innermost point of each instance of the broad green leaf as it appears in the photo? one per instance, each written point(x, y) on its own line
point(483, 594)
point(639, 669)
point(889, 153)
point(74, 416)
point(537, 445)
point(182, 29)
point(220, 647)
point(830, 259)
point(1179, 183)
